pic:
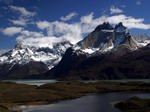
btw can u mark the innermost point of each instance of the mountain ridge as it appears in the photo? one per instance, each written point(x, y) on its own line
point(105, 62)
point(104, 41)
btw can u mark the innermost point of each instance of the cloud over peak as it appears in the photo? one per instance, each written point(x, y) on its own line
point(58, 31)
point(74, 32)
point(61, 30)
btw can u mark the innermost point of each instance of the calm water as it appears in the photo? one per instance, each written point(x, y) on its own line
point(123, 80)
point(41, 82)
point(91, 103)
point(31, 82)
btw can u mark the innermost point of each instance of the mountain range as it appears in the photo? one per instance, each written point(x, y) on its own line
point(106, 53)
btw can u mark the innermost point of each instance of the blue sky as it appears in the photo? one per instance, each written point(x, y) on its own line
point(40, 21)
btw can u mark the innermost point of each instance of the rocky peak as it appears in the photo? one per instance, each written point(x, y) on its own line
point(22, 54)
point(97, 37)
point(74, 53)
point(18, 46)
point(104, 26)
point(119, 25)
point(120, 28)
point(129, 40)
point(63, 43)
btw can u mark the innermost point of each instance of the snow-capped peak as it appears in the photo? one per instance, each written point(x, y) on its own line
point(23, 54)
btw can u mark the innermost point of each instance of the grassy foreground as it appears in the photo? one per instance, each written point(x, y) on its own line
point(134, 104)
point(12, 94)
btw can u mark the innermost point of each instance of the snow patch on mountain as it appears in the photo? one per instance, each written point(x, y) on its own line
point(23, 54)
point(143, 43)
point(90, 50)
point(103, 39)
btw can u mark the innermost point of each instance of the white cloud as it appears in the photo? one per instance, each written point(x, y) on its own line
point(25, 34)
point(69, 16)
point(138, 2)
point(21, 21)
point(129, 21)
point(42, 24)
point(24, 17)
point(61, 29)
point(74, 32)
point(88, 22)
point(32, 38)
point(10, 31)
point(58, 31)
point(41, 42)
point(70, 32)
point(115, 10)
point(33, 34)
point(87, 19)
point(24, 12)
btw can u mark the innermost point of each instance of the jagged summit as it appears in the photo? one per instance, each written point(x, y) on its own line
point(120, 28)
point(110, 55)
point(104, 26)
point(103, 40)
point(23, 54)
point(105, 37)
point(98, 37)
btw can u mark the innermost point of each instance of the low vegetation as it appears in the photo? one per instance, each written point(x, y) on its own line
point(134, 104)
point(12, 94)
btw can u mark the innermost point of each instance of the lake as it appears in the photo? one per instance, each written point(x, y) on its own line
point(32, 82)
point(91, 103)
point(41, 82)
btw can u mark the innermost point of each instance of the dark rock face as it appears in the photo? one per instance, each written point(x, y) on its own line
point(104, 26)
point(124, 61)
point(129, 40)
point(95, 39)
point(117, 58)
point(120, 51)
point(70, 60)
point(106, 36)
point(30, 70)
point(117, 64)
point(120, 28)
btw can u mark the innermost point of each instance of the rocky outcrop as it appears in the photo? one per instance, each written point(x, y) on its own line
point(71, 59)
point(106, 53)
point(121, 63)
point(31, 70)
point(130, 41)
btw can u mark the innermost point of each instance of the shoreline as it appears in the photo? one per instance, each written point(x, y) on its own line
point(134, 104)
point(60, 91)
